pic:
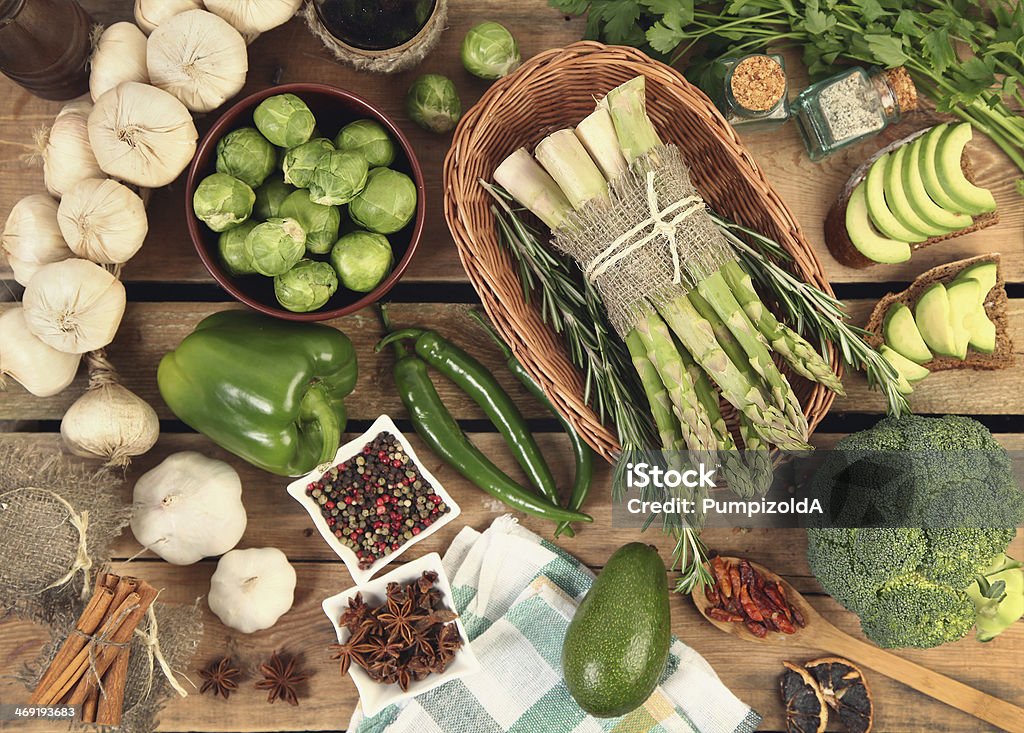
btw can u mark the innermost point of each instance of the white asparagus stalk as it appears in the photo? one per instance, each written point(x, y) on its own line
point(568, 162)
point(597, 133)
point(531, 186)
point(627, 105)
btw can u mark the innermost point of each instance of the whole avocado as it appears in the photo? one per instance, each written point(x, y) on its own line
point(616, 647)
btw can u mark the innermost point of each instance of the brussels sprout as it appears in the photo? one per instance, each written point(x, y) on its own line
point(269, 198)
point(337, 178)
point(433, 103)
point(246, 155)
point(275, 246)
point(222, 201)
point(320, 222)
point(306, 287)
point(231, 245)
point(489, 51)
point(284, 120)
point(369, 139)
point(299, 162)
point(387, 203)
point(362, 260)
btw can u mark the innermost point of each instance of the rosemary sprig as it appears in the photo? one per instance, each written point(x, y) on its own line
point(809, 309)
point(572, 307)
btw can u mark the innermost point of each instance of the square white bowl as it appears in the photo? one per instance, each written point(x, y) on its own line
point(375, 696)
point(297, 490)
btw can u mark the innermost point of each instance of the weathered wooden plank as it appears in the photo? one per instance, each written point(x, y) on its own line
point(150, 330)
point(291, 54)
point(749, 670)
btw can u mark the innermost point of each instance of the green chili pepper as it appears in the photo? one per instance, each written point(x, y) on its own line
point(438, 429)
point(583, 454)
point(473, 378)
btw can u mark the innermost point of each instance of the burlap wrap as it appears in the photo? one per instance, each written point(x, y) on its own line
point(650, 242)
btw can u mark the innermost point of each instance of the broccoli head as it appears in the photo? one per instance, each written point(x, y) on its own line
point(915, 509)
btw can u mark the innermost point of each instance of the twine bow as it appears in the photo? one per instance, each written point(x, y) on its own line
point(660, 226)
point(151, 642)
point(82, 562)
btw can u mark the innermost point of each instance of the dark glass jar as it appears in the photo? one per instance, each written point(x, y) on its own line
point(44, 46)
point(377, 25)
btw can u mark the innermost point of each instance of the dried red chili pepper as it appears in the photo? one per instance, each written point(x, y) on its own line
point(720, 615)
point(712, 595)
point(757, 629)
point(722, 576)
point(749, 607)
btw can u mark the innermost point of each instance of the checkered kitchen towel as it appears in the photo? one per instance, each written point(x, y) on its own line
point(516, 593)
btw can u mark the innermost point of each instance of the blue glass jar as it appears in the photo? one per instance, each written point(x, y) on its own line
point(849, 107)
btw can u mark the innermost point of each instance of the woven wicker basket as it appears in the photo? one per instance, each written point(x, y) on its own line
point(554, 90)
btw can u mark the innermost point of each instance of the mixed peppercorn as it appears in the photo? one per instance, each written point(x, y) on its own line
point(378, 500)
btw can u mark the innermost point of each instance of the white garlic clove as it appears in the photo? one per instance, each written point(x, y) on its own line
point(67, 154)
point(119, 55)
point(254, 16)
point(74, 306)
point(142, 135)
point(110, 421)
point(40, 369)
point(103, 221)
point(199, 58)
point(251, 589)
point(151, 13)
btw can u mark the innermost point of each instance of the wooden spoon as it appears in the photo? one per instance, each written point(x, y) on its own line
point(823, 635)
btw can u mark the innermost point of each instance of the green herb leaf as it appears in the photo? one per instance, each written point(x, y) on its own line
point(906, 24)
point(1020, 186)
point(939, 50)
point(674, 13)
point(664, 38)
point(887, 49)
point(871, 9)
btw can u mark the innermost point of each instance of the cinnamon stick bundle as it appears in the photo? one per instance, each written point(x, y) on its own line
point(91, 667)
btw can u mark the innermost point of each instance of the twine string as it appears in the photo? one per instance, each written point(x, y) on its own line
point(82, 562)
point(104, 639)
point(660, 227)
point(151, 643)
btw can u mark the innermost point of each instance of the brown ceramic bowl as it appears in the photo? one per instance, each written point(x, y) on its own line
point(333, 108)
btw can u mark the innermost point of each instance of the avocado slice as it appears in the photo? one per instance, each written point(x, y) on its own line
point(929, 172)
point(897, 198)
point(878, 210)
point(963, 305)
point(934, 321)
point(902, 383)
point(918, 196)
point(986, 273)
point(972, 199)
point(900, 332)
point(908, 370)
point(983, 332)
point(865, 238)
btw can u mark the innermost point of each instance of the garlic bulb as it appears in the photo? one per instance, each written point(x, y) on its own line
point(103, 221)
point(31, 237)
point(108, 421)
point(187, 508)
point(67, 154)
point(254, 16)
point(39, 368)
point(251, 589)
point(75, 306)
point(141, 134)
point(151, 13)
point(119, 55)
point(199, 58)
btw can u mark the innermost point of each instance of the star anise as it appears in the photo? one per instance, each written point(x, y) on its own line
point(381, 648)
point(403, 678)
point(281, 679)
point(220, 676)
point(399, 618)
point(356, 613)
point(350, 651)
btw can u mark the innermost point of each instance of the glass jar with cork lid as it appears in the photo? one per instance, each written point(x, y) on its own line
point(752, 91)
point(852, 106)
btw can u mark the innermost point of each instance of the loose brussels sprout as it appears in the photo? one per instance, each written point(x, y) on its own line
point(246, 155)
point(231, 245)
point(387, 203)
point(320, 222)
point(362, 260)
point(337, 178)
point(269, 198)
point(275, 246)
point(489, 51)
point(284, 120)
point(306, 287)
point(222, 201)
point(299, 162)
point(433, 103)
point(370, 140)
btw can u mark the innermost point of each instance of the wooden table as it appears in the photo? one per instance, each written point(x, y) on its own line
point(171, 291)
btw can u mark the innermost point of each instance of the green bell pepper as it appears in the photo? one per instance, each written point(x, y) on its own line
point(269, 391)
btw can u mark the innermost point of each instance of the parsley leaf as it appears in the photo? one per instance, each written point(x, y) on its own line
point(887, 49)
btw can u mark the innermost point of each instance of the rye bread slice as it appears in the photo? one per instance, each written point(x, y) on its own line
point(836, 237)
point(996, 306)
